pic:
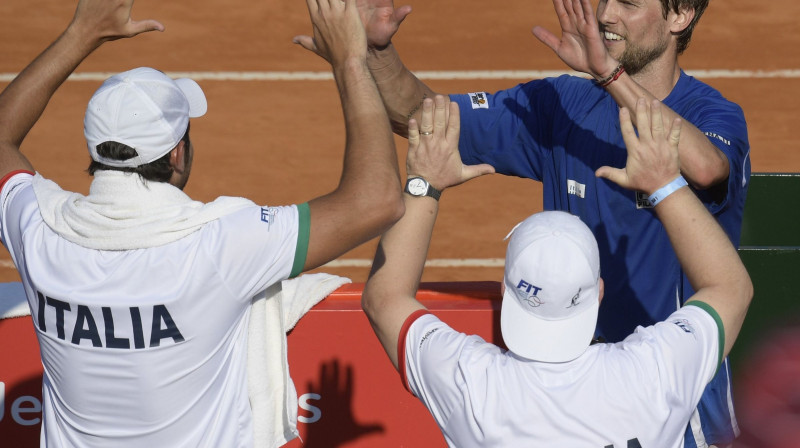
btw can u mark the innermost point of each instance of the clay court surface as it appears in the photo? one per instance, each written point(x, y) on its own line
point(281, 141)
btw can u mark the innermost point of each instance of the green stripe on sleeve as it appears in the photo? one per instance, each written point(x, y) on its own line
point(711, 311)
point(303, 232)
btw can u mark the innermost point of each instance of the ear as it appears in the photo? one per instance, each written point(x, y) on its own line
point(177, 157)
point(680, 20)
point(602, 290)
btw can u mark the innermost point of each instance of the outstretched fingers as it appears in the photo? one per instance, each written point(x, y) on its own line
point(643, 120)
point(675, 133)
point(439, 115)
point(426, 118)
point(656, 123)
point(453, 122)
point(620, 175)
point(413, 134)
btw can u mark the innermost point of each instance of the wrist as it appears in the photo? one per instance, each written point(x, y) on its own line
point(349, 64)
point(671, 187)
point(81, 37)
point(384, 63)
point(418, 186)
point(612, 76)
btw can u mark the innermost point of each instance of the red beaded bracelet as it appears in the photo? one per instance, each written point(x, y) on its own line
point(613, 76)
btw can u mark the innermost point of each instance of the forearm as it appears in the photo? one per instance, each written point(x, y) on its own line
point(401, 90)
point(708, 258)
point(24, 100)
point(370, 162)
point(367, 200)
point(389, 295)
point(702, 164)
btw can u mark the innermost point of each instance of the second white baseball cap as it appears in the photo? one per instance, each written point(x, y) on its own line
point(142, 108)
point(552, 288)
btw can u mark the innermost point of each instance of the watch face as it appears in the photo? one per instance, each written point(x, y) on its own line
point(417, 187)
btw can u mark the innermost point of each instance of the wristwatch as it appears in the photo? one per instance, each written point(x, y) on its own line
point(417, 186)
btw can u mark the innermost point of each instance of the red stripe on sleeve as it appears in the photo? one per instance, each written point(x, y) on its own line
point(12, 174)
point(401, 345)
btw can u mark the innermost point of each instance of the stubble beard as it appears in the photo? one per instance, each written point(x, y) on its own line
point(636, 58)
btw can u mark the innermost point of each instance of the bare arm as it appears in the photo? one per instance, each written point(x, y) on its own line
point(703, 249)
point(368, 199)
point(389, 295)
point(24, 100)
point(402, 92)
point(581, 48)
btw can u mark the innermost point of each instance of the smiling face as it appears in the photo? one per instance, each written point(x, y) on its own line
point(634, 31)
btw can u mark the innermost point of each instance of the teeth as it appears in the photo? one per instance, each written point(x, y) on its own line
point(611, 36)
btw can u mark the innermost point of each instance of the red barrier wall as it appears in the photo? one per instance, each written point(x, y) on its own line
point(350, 395)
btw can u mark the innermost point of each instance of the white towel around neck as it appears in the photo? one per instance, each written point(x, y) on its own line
point(123, 212)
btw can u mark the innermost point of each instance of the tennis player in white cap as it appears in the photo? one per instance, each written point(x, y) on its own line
point(553, 387)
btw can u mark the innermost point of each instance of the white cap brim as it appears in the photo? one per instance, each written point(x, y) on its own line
point(547, 340)
point(198, 106)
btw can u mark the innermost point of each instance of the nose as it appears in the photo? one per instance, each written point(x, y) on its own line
point(606, 12)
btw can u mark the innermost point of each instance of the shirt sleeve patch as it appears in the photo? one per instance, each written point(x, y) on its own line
point(713, 313)
point(303, 232)
point(478, 100)
point(401, 345)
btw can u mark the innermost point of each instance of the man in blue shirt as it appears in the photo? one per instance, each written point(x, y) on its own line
point(560, 130)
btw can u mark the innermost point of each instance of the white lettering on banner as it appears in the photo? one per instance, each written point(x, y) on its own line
point(316, 413)
point(17, 408)
point(576, 188)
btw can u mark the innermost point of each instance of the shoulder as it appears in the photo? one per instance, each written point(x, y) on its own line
point(690, 336)
point(13, 184)
point(690, 91)
point(16, 179)
point(539, 90)
point(250, 215)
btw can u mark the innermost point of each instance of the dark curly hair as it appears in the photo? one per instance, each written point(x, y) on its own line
point(158, 170)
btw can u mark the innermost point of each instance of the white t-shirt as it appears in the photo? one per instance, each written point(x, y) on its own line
point(147, 347)
point(643, 389)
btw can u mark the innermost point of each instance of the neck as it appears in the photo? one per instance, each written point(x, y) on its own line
point(660, 76)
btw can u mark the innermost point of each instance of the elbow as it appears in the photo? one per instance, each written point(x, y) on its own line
point(382, 211)
point(390, 207)
point(747, 288)
point(710, 175)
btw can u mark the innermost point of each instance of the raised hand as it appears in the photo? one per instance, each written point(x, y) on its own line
point(652, 156)
point(381, 20)
point(108, 20)
point(580, 46)
point(338, 33)
point(433, 146)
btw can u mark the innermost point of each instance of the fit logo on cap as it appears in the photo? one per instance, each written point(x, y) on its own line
point(531, 292)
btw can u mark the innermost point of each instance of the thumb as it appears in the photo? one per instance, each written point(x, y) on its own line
point(143, 26)
point(546, 37)
point(401, 13)
point(472, 171)
point(616, 175)
point(306, 42)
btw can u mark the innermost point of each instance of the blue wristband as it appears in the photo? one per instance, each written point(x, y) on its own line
point(667, 190)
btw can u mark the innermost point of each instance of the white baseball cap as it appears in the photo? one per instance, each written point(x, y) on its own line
point(144, 109)
point(552, 288)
